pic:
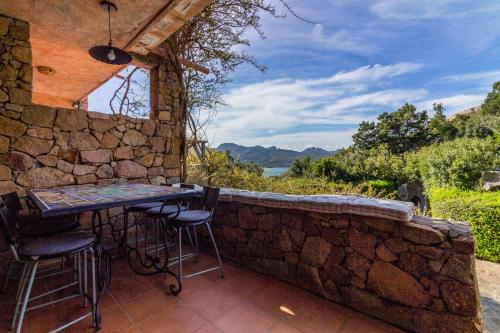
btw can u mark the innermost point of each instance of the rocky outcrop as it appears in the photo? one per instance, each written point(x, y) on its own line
point(491, 180)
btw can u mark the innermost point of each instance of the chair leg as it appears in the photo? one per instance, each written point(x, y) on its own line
point(79, 268)
point(196, 244)
point(191, 241)
point(216, 249)
point(7, 275)
point(179, 231)
point(27, 296)
point(19, 294)
point(95, 308)
point(85, 277)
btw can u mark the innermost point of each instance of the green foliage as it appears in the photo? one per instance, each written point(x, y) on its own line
point(301, 167)
point(472, 125)
point(491, 105)
point(457, 163)
point(220, 169)
point(361, 164)
point(403, 130)
point(440, 128)
point(480, 209)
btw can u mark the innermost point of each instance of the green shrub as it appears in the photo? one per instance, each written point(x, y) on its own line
point(480, 209)
point(301, 167)
point(355, 165)
point(458, 163)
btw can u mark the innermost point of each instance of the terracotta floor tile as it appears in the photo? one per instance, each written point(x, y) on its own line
point(193, 286)
point(244, 301)
point(114, 320)
point(213, 302)
point(362, 323)
point(209, 328)
point(313, 317)
point(245, 318)
point(244, 284)
point(179, 319)
point(39, 322)
point(151, 302)
point(279, 298)
point(283, 327)
point(129, 285)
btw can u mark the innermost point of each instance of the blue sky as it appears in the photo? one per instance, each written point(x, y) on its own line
point(364, 58)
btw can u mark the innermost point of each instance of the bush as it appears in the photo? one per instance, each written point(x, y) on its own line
point(458, 163)
point(355, 165)
point(301, 167)
point(480, 209)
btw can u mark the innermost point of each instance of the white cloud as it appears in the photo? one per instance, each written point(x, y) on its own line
point(488, 76)
point(410, 9)
point(455, 103)
point(343, 40)
point(371, 73)
point(267, 112)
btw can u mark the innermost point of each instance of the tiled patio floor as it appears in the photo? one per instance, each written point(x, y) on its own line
point(242, 302)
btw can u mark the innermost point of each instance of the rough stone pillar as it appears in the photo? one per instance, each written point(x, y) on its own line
point(15, 87)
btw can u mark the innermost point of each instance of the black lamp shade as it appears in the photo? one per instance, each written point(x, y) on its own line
point(101, 53)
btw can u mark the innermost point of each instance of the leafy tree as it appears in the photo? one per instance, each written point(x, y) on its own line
point(330, 168)
point(403, 130)
point(366, 137)
point(491, 105)
point(301, 167)
point(471, 125)
point(215, 39)
point(440, 128)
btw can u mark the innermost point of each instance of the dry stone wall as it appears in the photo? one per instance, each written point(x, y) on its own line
point(43, 147)
point(417, 275)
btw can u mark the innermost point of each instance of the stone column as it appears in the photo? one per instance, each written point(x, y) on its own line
point(15, 89)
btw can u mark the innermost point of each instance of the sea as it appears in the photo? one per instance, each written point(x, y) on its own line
point(268, 172)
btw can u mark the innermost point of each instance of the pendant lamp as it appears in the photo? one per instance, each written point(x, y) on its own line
point(110, 54)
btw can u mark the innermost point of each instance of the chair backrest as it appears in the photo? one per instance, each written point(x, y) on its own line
point(8, 225)
point(12, 201)
point(210, 197)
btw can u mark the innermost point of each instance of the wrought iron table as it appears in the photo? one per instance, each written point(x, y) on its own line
point(65, 200)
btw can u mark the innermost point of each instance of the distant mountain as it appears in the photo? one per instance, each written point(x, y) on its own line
point(271, 157)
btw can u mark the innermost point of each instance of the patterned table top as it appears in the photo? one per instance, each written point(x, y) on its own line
point(74, 199)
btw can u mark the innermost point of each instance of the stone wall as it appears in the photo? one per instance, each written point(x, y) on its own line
point(418, 275)
point(43, 147)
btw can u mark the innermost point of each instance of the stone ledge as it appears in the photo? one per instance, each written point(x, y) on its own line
point(418, 275)
point(334, 204)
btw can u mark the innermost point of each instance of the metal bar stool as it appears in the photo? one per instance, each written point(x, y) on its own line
point(156, 209)
point(34, 226)
point(31, 252)
point(183, 220)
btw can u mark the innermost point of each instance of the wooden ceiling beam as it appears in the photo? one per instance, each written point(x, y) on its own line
point(188, 63)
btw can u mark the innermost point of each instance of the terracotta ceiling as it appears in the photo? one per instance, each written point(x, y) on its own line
point(62, 31)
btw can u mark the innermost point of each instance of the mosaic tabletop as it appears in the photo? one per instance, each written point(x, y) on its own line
point(80, 198)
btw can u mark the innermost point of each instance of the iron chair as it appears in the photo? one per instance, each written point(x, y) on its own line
point(34, 226)
point(30, 252)
point(160, 208)
point(183, 220)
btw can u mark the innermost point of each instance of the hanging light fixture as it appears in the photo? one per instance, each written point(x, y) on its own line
point(108, 53)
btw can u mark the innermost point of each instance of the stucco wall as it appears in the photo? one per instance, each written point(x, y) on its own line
point(418, 274)
point(43, 147)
